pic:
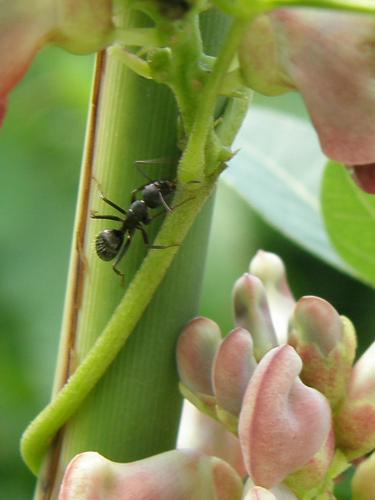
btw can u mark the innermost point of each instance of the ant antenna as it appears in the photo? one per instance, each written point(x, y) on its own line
point(155, 161)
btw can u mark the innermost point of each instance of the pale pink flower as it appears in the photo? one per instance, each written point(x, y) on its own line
point(174, 475)
point(283, 423)
point(79, 26)
point(329, 57)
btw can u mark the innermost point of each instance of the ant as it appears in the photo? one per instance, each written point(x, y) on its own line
point(113, 243)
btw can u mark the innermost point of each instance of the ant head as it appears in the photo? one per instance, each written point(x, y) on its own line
point(154, 192)
point(108, 243)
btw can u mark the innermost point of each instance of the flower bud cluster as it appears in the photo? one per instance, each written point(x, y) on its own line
point(283, 382)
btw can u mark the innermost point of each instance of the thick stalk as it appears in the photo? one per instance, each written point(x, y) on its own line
point(133, 410)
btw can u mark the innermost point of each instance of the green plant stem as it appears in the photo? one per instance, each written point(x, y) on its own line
point(39, 434)
point(133, 62)
point(193, 165)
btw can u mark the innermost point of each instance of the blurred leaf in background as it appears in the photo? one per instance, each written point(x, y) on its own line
point(40, 151)
point(350, 219)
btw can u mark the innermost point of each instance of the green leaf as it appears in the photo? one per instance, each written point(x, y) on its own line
point(349, 215)
point(278, 171)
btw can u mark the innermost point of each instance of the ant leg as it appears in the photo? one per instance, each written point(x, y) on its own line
point(112, 204)
point(106, 200)
point(153, 247)
point(93, 215)
point(140, 170)
point(171, 209)
point(124, 248)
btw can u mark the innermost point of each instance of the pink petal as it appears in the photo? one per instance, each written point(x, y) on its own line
point(252, 312)
point(326, 343)
point(332, 62)
point(317, 322)
point(81, 26)
point(174, 475)
point(283, 423)
point(3, 109)
point(196, 349)
point(364, 176)
point(20, 39)
point(270, 269)
point(329, 57)
point(233, 366)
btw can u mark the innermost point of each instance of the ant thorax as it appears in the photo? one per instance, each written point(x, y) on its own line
point(138, 213)
point(151, 195)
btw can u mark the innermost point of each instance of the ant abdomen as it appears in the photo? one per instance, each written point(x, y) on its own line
point(108, 243)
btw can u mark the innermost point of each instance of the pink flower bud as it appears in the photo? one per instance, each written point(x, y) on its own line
point(174, 475)
point(355, 421)
point(326, 343)
point(196, 349)
point(233, 367)
point(283, 423)
point(80, 26)
point(252, 313)
point(270, 269)
point(329, 57)
point(363, 482)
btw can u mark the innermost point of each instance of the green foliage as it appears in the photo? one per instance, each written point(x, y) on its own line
point(278, 170)
point(349, 215)
point(40, 145)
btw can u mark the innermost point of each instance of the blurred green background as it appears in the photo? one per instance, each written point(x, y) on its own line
point(40, 152)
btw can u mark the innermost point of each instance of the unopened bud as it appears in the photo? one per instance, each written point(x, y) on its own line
point(233, 367)
point(355, 420)
point(270, 269)
point(196, 349)
point(252, 313)
point(326, 343)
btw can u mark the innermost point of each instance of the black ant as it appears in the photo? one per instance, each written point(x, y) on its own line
point(113, 243)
